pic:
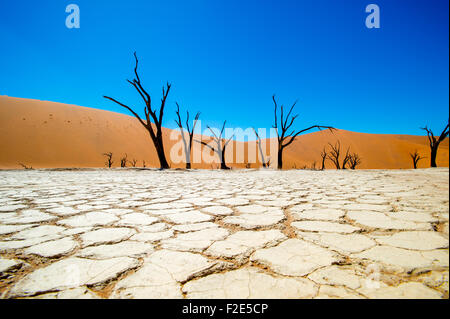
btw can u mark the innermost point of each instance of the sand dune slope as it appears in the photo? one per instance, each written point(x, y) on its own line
point(46, 134)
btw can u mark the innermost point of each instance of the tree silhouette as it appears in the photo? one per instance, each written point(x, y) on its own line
point(263, 161)
point(221, 145)
point(26, 167)
point(335, 154)
point(187, 147)
point(123, 161)
point(109, 160)
point(416, 158)
point(156, 136)
point(323, 155)
point(434, 142)
point(285, 125)
point(346, 159)
point(354, 160)
point(133, 162)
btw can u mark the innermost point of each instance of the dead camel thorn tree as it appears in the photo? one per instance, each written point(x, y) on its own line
point(335, 153)
point(416, 158)
point(133, 162)
point(221, 145)
point(323, 155)
point(109, 160)
point(434, 142)
point(123, 161)
point(285, 125)
point(354, 160)
point(346, 159)
point(187, 146)
point(26, 167)
point(150, 114)
point(350, 159)
point(263, 161)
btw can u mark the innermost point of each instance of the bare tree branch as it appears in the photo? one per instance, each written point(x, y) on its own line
point(156, 136)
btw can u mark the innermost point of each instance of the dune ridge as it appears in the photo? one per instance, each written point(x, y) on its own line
point(45, 134)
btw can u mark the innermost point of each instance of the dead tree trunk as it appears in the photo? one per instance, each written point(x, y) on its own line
point(335, 153)
point(415, 158)
point(264, 163)
point(221, 145)
point(434, 142)
point(346, 158)
point(286, 123)
point(187, 146)
point(123, 161)
point(109, 160)
point(155, 135)
point(323, 154)
point(354, 160)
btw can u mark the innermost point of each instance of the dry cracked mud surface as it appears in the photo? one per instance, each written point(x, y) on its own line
point(128, 233)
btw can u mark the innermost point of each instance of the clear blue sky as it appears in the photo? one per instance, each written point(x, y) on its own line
point(227, 58)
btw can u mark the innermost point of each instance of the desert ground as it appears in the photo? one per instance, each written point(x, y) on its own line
point(133, 233)
point(45, 134)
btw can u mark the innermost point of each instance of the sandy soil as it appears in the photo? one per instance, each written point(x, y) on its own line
point(47, 134)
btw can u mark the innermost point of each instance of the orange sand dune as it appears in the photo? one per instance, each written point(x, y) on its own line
point(48, 135)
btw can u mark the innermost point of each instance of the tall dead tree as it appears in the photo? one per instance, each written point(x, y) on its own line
point(123, 161)
point(434, 142)
point(354, 160)
point(323, 155)
point(221, 145)
point(150, 114)
point(286, 123)
point(187, 147)
point(109, 160)
point(346, 159)
point(335, 154)
point(263, 161)
point(416, 158)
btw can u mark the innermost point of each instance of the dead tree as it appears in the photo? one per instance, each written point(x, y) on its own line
point(123, 161)
point(346, 158)
point(221, 145)
point(434, 142)
point(286, 123)
point(109, 160)
point(416, 158)
point(150, 114)
point(143, 163)
point(187, 147)
point(26, 167)
point(354, 160)
point(263, 161)
point(323, 155)
point(133, 162)
point(335, 154)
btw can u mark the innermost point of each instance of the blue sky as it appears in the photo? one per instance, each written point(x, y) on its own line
point(227, 58)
